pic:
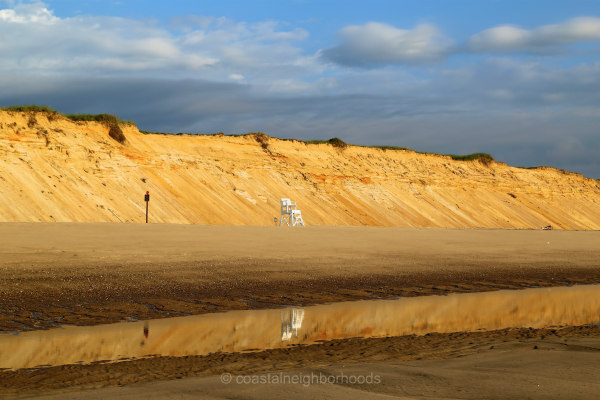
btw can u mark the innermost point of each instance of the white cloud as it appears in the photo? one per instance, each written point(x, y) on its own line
point(237, 77)
point(375, 44)
point(28, 13)
point(35, 41)
point(508, 38)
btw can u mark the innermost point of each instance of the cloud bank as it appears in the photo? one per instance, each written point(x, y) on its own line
point(375, 44)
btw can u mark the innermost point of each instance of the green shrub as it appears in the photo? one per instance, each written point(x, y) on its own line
point(109, 120)
point(484, 158)
point(116, 133)
point(335, 142)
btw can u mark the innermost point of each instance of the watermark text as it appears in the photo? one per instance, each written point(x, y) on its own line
point(304, 379)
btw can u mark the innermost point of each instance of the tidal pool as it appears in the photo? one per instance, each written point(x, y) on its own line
point(254, 330)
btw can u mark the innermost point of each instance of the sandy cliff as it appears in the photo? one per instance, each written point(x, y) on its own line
point(54, 169)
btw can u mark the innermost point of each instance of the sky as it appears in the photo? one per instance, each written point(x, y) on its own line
point(517, 79)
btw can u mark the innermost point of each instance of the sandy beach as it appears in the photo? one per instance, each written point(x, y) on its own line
point(89, 274)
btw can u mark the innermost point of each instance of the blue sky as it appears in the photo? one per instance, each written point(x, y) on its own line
point(517, 79)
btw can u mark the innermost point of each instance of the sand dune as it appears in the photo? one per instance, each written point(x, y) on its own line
point(53, 169)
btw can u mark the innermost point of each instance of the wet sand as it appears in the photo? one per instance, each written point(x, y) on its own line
point(88, 274)
point(506, 364)
point(513, 370)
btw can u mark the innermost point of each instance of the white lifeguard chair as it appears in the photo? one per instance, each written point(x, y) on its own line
point(297, 218)
point(290, 215)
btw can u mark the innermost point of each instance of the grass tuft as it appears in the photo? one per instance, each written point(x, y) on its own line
point(384, 148)
point(106, 118)
point(30, 108)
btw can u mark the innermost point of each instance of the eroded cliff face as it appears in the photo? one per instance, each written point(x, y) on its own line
point(54, 169)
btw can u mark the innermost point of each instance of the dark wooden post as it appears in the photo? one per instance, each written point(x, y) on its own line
point(147, 199)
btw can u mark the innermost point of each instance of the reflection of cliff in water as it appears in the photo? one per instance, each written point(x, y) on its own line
point(291, 321)
point(237, 331)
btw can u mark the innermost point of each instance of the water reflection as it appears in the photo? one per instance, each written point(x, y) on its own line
point(266, 329)
point(291, 321)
